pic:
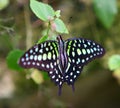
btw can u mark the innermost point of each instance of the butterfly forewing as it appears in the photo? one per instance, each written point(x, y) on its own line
point(42, 56)
point(81, 51)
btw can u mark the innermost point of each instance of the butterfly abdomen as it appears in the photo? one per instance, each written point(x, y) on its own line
point(63, 59)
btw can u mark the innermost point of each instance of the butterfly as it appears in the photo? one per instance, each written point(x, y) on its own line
point(63, 60)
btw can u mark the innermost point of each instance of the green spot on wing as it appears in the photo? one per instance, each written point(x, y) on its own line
point(49, 55)
point(70, 43)
point(44, 56)
point(69, 46)
point(78, 51)
point(83, 51)
point(55, 47)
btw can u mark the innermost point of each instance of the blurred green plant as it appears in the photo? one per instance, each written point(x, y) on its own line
point(114, 62)
point(114, 65)
point(4, 4)
point(45, 13)
point(105, 10)
point(41, 10)
point(37, 76)
point(13, 58)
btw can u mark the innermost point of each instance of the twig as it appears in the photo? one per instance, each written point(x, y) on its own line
point(29, 33)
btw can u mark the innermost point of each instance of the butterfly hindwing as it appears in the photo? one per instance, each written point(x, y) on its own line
point(72, 72)
point(42, 56)
point(57, 77)
point(81, 51)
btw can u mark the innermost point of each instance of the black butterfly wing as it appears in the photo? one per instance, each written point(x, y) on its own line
point(57, 77)
point(43, 56)
point(81, 51)
point(72, 72)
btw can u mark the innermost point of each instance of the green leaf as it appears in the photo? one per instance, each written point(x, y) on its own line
point(12, 59)
point(60, 26)
point(43, 11)
point(57, 13)
point(105, 11)
point(45, 75)
point(4, 4)
point(43, 39)
point(114, 62)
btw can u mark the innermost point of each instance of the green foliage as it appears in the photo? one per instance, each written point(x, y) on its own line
point(3, 4)
point(114, 62)
point(57, 13)
point(12, 59)
point(43, 38)
point(41, 10)
point(46, 13)
point(105, 11)
point(45, 75)
point(59, 26)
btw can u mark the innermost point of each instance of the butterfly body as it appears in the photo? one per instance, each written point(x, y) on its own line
point(63, 60)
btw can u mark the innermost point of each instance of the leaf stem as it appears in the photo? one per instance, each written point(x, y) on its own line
point(49, 25)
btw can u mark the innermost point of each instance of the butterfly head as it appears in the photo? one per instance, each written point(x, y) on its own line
point(59, 39)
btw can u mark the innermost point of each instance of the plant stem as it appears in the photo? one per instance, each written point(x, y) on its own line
point(29, 33)
point(49, 24)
